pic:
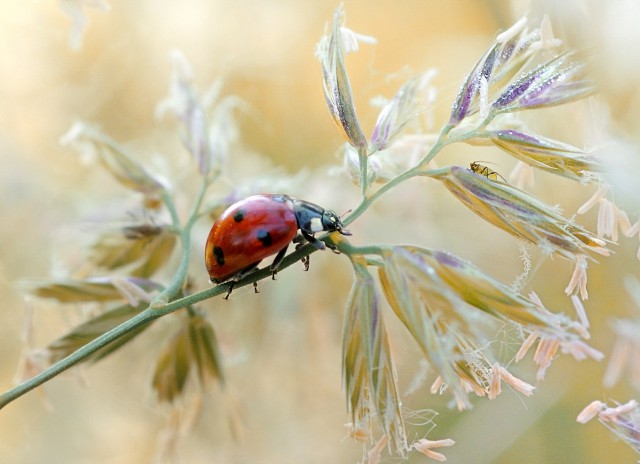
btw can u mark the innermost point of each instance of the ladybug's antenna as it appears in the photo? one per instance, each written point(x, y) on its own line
point(341, 230)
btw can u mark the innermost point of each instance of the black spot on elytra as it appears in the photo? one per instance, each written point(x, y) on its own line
point(238, 216)
point(219, 255)
point(264, 237)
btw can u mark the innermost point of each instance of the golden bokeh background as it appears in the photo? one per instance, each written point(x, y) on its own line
point(283, 400)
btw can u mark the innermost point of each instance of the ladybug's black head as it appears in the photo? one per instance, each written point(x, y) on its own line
point(313, 218)
point(331, 222)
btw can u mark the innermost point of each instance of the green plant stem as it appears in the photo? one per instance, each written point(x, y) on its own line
point(180, 277)
point(145, 317)
point(171, 207)
point(82, 353)
point(363, 158)
point(368, 201)
point(349, 249)
point(159, 306)
point(442, 141)
point(439, 144)
point(162, 305)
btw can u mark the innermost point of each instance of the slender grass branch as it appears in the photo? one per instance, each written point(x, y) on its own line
point(444, 139)
point(180, 277)
point(171, 207)
point(145, 317)
point(364, 181)
point(367, 201)
point(346, 247)
point(77, 356)
point(162, 304)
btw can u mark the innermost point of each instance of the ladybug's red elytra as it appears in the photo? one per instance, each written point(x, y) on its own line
point(259, 226)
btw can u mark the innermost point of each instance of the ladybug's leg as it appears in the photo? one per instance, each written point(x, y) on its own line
point(313, 241)
point(320, 245)
point(276, 262)
point(334, 249)
point(246, 271)
point(299, 240)
point(232, 284)
point(306, 261)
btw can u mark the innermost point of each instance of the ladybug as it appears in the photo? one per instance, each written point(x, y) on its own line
point(260, 226)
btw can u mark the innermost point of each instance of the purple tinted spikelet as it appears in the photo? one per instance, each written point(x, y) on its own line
point(557, 81)
point(520, 214)
point(505, 57)
point(506, 76)
point(469, 90)
point(402, 109)
point(367, 366)
point(547, 154)
point(336, 86)
point(448, 306)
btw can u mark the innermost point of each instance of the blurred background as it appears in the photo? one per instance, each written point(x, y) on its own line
point(283, 401)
